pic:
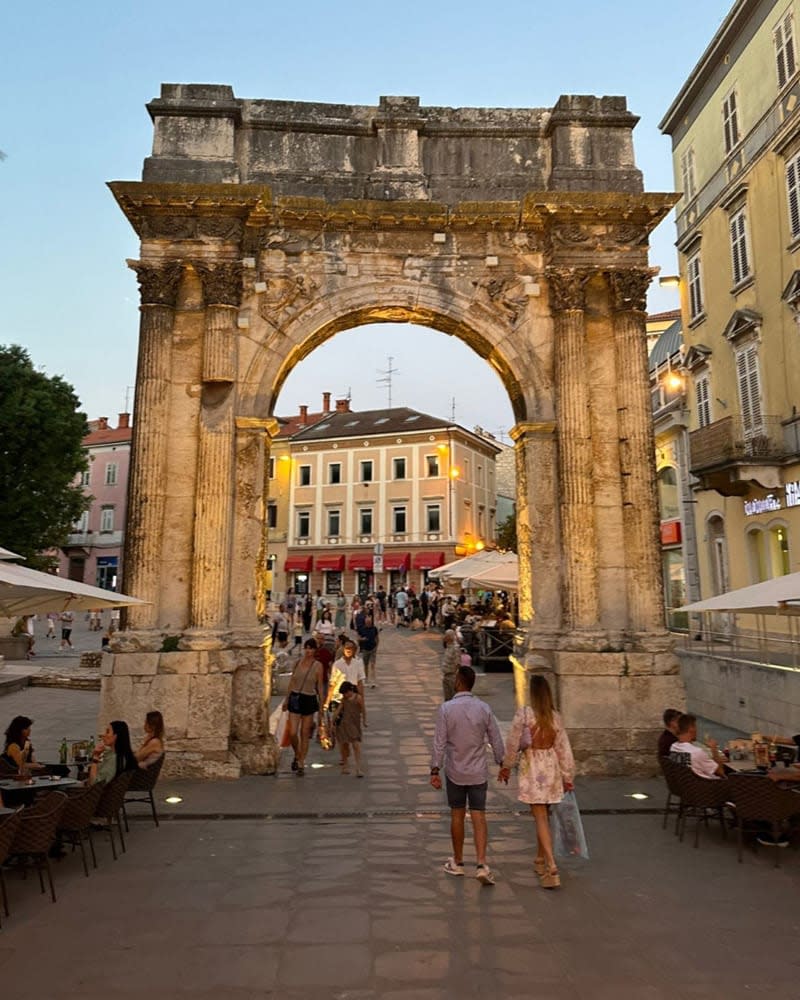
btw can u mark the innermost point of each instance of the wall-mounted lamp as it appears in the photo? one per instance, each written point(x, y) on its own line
point(670, 281)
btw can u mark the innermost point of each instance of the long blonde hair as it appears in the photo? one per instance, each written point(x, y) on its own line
point(544, 710)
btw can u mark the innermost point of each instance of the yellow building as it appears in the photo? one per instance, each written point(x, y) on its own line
point(735, 129)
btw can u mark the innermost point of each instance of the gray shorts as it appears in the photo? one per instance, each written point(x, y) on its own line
point(459, 795)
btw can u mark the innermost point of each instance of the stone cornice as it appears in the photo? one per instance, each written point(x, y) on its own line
point(534, 428)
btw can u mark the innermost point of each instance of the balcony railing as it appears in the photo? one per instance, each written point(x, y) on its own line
point(728, 440)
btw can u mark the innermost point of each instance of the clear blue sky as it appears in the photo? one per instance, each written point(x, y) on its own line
point(76, 75)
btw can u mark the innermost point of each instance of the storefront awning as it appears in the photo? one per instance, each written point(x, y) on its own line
point(330, 563)
point(396, 560)
point(362, 560)
point(298, 564)
point(428, 560)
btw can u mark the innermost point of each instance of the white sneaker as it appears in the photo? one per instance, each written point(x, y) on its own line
point(452, 868)
point(484, 875)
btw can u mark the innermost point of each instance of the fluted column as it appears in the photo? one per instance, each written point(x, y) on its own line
point(215, 467)
point(158, 287)
point(628, 290)
point(575, 462)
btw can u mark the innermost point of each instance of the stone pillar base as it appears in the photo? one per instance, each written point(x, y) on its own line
point(214, 700)
point(611, 700)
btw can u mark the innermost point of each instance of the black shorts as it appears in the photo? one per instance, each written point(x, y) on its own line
point(459, 795)
point(283, 636)
point(66, 633)
point(304, 704)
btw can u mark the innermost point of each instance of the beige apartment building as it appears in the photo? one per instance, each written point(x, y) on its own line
point(735, 129)
point(378, 497)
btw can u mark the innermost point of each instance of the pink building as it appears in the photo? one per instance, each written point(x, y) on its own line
point(93, 552)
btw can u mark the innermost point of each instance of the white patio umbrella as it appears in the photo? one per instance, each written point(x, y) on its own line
point(503, 576)
point(780, 596)
point(8, 554)
point(454, 571)
point(26, 591)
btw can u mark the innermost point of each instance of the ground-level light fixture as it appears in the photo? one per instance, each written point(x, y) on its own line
point(639, 796)
point(173, 800)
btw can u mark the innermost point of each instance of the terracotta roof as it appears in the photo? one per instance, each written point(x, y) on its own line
point(291, 425)
point(671, 314)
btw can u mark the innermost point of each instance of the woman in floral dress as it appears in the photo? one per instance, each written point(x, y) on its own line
point(546, 769)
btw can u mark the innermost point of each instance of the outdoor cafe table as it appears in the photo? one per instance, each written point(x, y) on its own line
point(25, 790)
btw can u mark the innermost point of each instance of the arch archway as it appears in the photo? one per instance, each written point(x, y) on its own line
point(256, 248)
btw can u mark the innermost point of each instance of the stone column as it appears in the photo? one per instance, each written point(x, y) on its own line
point(578, 528)
point(158, 286)
point(628, 289)
point(222, 284)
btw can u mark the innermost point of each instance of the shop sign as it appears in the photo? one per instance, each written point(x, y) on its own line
point(670, 532)
point(764, 506)
point(793, 494)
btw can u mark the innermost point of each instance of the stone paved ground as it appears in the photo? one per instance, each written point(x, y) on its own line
point(339, 894)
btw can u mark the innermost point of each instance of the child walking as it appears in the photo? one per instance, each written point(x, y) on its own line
point(348, 726)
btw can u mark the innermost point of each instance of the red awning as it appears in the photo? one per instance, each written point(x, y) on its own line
point(428, 560)
point(396, 560)
point(363, 560)
point(330, 563)
point(298, 564)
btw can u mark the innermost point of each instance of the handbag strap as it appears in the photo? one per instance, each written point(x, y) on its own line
point(305, 678)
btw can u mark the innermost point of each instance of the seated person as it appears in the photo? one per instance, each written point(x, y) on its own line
point(684, 749)
point(114, 755)
point(153, 744)
point(670, 734)
point(18, 752)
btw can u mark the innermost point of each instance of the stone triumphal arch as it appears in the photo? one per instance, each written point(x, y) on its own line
point(268, 226)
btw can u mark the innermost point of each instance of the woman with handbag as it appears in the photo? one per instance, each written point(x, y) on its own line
point(546, 769)
point(303, 702)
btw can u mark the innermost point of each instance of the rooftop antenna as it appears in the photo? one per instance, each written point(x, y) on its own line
point(127, 398)
point(453, 410)
point(386, 377)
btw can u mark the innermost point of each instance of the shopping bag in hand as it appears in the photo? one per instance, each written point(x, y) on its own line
point(569, 840)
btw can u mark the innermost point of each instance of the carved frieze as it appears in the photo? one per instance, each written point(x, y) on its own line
point(627, 234)
point(568, 288)
point(629, 289)
point(222, 282)
point(191, 227)
point(504, 294)
point(158, 283)
point(285, 294)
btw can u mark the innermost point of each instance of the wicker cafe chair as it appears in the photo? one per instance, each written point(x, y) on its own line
point(671, 771)
point(143, 780)
point(76, 821)
point(36, 833)
point(109, 807)
point(759, 801)
point(701, 797)
point(8, 830)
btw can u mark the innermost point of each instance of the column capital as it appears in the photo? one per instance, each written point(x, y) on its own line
point(158, 283)
point(221, 281)
point(542, 428)
point(628, 289)
point(568, 288)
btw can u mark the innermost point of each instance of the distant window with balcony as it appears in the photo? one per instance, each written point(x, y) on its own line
point(702, 400)
point(730, 121)
point(793, 195)
point(334, 523)
point(433, 517)
point(398, 468)
point(335, 473)
point(112, 469)
point(272, 515)
point(668, 493)
point(783, 36)
point(748, 377)
point(366, 470)
point(695, 287)
point(304, 474)
point(432, 465)
point(399, 520)
point(740, 251)
point(688, 174)
point(365, 521)
point(303, 524)
point(107, 519)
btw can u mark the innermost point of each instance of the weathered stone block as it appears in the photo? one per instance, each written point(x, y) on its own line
point(591, 664)
point(183, 663)
point(257, 758)
point(135, 664)
point(249, 709)
point(591, 702)
point(209, 705)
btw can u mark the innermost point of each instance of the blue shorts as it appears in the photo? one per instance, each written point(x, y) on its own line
point(459, 795)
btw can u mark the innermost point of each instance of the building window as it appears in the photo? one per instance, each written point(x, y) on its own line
point(305, 475)
point(334, 523)
point(111, 474)
point(398, 468)
point(272, 468)
point(107, 519)
point(81, 526)
point(303, 524)
point(366, 470)
point(688, 174)
point(740, 253)
point(748, 377)
point(695, 287)
point(399, 520)
point(365, 521)
point(432, 463)
point(333, 581)
point(85, 477)
point(433, 517)
point(784, 49)
point(730, 121)
point(702, 399)
point(793, 195)
point(335, 473)
point(272, 515)
point(669, 508)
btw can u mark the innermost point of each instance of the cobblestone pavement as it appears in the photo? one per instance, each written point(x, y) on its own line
point(331, 887)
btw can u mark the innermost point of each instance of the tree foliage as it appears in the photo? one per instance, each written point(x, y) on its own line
point(507, 533)
point(41, 455)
